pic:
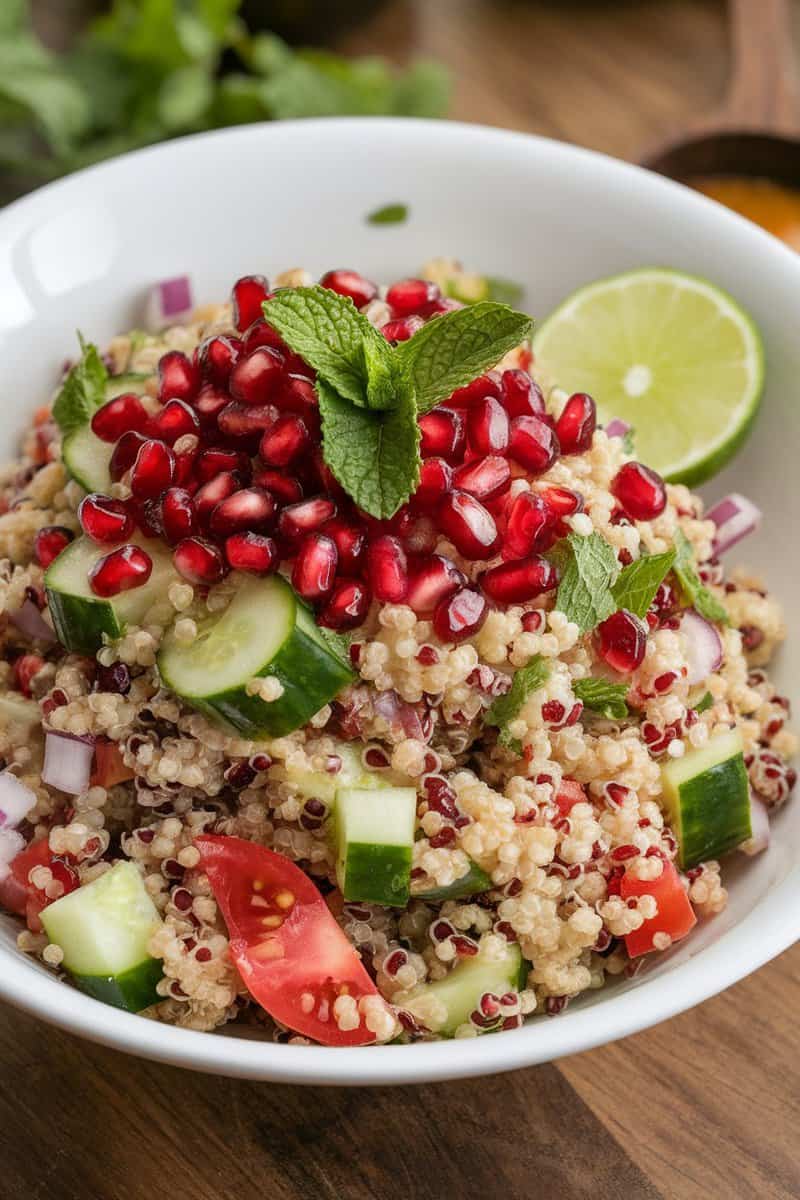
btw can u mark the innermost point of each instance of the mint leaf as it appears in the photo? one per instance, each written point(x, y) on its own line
point(629, 441)
point(185, 97)
point(603, 697)
point(337, 643)
point(588, 570)
point(329, 332)
point(506, 709)
point(389, 214)
point(695, 594)
point(83, 391)
point(374, 454)
point(705, 702)
point(386, 377)
point(639, 581)
point(452, 350)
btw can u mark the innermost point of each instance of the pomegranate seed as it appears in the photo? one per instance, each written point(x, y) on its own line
point(215, 459)
point(287, 438)
point(431, 582)
point(522, 396)
point(256, 375)
point(173, 421)
point(246, 420)
point(118, 416)
point(147, 514)
point(351, 542)
point(347, 606)
point(468, 525)
point(247, 296)
point(26, 666)
point(315, 566)
point(515, 582)
point(484, 478)
point(251, 552)
point(214, 492)
point(427, 656)
point(622, 641)
point(577, 423)
point(479, 389)
point(198, 561)
point(178, 377)
point(460, 616)
point(306, 517)
point(562, 502)
point(122, 569)
point(401, 330)
point(210, 402)
point(444, 304)
point(177, 515)
point(124, 454)
point(527, 521)
point(640, 491)
point(488, 427)
point(152, 472)
point(104, 520)
point(284, 488)
point(388, 569)
point(115, 678)
point(442, 434)
point(350, 283)
point(49, 542)
point(250, 508)
point(435, 479)
point(262, 334)
point(410, 295)
point(533, 444)
point(217, 357)
point(296, 394)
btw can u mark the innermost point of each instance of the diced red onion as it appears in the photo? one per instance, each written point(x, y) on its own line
point(168, 303)
point(759, 825)
point(11, 843)
point(30, 621)
point(734, 517)
point(16, 800)
point(402, 717)
point(703, 647)
point(616, 427)
point(67, 762)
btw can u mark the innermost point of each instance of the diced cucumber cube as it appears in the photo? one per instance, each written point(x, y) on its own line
point(460, 991)
point(707, 796)
point(472, 883)
point(375, 839)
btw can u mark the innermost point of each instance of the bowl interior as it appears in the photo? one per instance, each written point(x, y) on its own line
point(81, 254)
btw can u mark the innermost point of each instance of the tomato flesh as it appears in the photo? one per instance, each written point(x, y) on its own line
point(292, 955)
point(675, 914)
point(109, 768)
point(17, 893)
point(570, 793)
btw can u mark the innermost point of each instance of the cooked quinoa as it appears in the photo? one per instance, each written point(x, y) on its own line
point(415, 713)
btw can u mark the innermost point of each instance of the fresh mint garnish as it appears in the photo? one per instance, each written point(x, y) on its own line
point(602, 697)
point(83, 390)
point(588, 569)
point(389, 214)
point(629, 441)
point(456, 348)
point(705, 702)
point(695, 593)
point(337, 643)
point(503, 291)
point(639, 581)
point(506, 709)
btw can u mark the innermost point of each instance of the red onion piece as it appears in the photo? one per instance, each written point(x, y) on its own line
point(16, 800)
point(734, 517)
point(703, 647)
point(169, 302)
point(67, 762)
point(616, 427)
point(402, 717)
point(759, 825)
point(11, 843)
point(30, 621)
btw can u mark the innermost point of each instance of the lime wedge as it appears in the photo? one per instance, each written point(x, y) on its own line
point(671, 354)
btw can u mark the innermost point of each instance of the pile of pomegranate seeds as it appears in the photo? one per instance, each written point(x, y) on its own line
point(254, 491)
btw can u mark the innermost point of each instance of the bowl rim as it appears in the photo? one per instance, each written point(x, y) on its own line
point(770, 927)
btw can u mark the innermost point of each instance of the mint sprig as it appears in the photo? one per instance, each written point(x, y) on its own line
point(639, 581)
point(588, 569)
point(83, 390)
point(602, 696)
point(695, 593)
point(506, 709)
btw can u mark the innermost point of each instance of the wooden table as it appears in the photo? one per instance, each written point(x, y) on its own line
point(704, 1105)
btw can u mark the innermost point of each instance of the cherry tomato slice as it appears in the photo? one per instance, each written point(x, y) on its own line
point(17, 893)
point(675, 914)
point(292, 955)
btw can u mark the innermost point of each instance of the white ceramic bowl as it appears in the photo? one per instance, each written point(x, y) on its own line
point(80, 254)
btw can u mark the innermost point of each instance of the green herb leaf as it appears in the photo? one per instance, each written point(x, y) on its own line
point(504, 291)
point(629, 441)
point(374, 454)
point(506, 709)
point(34, 88)
point(83, 391)
point(390, 214)
point(602, 697)
point(423, 90)
point(695, 594)
point(703, 704)
point(451, 351)
point(337, 643)
point(335, 338)
point(185, 97)
point(589, 569)
point(639, 581)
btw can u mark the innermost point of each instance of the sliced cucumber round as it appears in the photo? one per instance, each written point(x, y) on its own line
point(265, 630)
point(81, 618)
point(375, 840)
point(461, 990)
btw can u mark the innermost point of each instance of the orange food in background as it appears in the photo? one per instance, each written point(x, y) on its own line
point(772, 205)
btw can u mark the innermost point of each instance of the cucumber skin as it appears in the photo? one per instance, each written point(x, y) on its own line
point(377, 874)
point(720, 799)
point(306, 670)
point(73, 628)
point(132, 990)
point(472, 883)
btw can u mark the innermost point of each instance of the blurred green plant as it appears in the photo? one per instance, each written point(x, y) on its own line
point(154, 69)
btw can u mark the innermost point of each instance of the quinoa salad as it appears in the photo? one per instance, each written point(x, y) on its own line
point(357, 684)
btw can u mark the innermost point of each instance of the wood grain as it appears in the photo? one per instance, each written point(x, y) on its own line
point(704, 1105)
